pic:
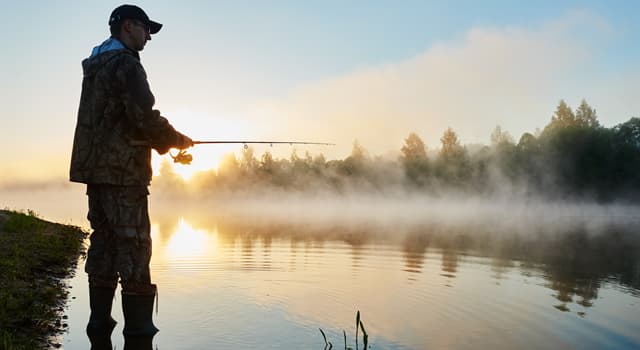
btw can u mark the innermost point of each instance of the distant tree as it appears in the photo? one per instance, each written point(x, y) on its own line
point(294, 156)
point(414, 159)
point(248, 162)
point(563, 115)
point(499, 136)
point(358, 152)
point(355, 163)
point(575, 152)
point(528, 160)
point(505, 152)
point(527, 143)
point(266, 162)
point(527, 140)
point(318, 164)
point(629, 133)
point(561, 119)
point(586, 116)
point(625, 158)
point(300, 166)
point(308, 158)
point(319, 161)
point(413, 149)
point(506, 158)
point(480, 162)
point(451, 147)
point(453, 165)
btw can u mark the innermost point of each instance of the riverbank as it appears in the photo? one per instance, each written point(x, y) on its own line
point(36, 256)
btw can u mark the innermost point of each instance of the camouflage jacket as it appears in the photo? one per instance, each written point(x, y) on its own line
point(116, 107)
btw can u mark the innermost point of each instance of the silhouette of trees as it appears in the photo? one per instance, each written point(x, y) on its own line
point(574, 156)
point(414, 160)
point(586, 116)
point(452, 166)
point(498, 136)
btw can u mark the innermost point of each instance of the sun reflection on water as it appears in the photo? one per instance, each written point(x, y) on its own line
point(188, 243)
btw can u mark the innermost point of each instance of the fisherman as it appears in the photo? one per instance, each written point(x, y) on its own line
point(115, 114)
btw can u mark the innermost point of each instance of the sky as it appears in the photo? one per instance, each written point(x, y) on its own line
point(327, 71)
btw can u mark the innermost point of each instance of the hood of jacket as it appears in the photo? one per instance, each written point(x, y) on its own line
point(102, 54)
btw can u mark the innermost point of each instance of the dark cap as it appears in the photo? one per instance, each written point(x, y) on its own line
point(133, 12)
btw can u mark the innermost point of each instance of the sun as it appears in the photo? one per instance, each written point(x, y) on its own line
point(205, 158)
point(203, 127)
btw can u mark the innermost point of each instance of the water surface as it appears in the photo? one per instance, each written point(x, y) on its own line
point(472, 279)
point(226, 283)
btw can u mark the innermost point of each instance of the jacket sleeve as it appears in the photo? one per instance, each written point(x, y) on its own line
point(149, 125)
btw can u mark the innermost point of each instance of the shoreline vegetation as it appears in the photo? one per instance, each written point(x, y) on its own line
point(573, 157)
point(36, 257)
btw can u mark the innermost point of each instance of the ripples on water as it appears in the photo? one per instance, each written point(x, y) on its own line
point(424, 273)
point(244, 284)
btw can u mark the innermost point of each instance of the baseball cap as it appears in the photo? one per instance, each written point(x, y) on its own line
point(133, 12)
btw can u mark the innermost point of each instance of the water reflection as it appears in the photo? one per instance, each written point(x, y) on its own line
point(500, 267)
point(414, 248)
point(101, 342)
point(130, 343)
point(189, 243)
point(249, 280)
point(356, 255)
point(245, 283)
point(449, 263)
point(138, 343)
point(575, 263)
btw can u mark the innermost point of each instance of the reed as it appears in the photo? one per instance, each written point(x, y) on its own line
point(359, 326)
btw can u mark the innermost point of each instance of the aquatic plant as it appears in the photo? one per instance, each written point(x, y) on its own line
point(359, 325)
point(7, 341)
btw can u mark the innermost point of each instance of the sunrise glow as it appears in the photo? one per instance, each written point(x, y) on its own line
point(203, 160)
point(189, 243)
point(202, 126)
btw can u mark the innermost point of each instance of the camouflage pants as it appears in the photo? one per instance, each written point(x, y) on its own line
point(121, 239)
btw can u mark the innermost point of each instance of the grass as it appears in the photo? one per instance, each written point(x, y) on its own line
point(35, 257)
point(359, 325)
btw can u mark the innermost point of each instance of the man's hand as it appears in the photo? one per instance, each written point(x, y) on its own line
point(183, 141)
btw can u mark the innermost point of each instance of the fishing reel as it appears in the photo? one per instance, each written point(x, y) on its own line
point(182, 157)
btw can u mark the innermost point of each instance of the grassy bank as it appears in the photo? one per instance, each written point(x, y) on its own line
point(35, 258)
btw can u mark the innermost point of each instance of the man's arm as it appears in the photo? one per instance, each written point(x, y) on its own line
point(147, 121)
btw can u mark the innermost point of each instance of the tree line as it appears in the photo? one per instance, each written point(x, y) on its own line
point(573, 156)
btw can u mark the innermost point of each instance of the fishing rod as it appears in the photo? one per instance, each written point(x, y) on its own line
point(265, 142)
point(185, 158)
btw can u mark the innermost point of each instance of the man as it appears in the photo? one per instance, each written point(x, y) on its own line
point(115, 117)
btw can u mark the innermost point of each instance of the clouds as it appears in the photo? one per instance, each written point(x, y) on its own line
point(508, 76)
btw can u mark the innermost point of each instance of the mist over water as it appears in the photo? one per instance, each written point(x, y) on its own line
point(396, 210)
point(392, 217)
point(425, 271)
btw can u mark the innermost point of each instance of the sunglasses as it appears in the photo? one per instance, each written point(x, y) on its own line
point(144, 26)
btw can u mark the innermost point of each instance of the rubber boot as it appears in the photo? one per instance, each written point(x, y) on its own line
point(138, 311)
point(138, 343)
point(101, 342)
point(100, 321)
